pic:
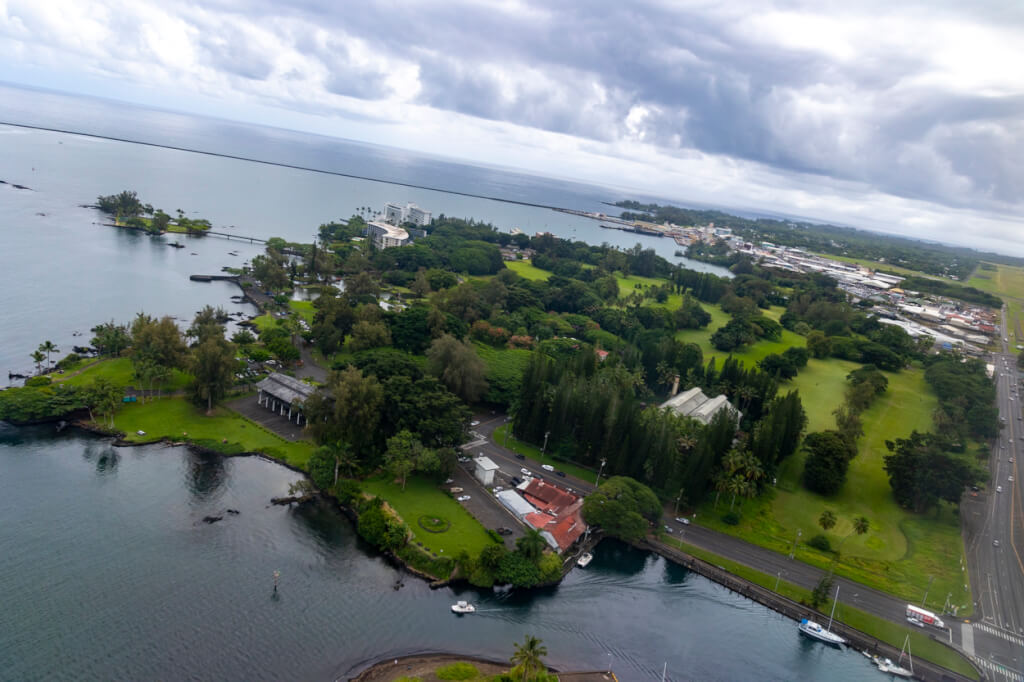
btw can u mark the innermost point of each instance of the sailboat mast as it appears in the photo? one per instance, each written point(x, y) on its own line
point(834, 600)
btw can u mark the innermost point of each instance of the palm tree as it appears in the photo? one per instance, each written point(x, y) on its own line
point(827, 520)
point(47, 347)
point(528, 656)
point(861, 525)
point(37, 357)
point(531, 545)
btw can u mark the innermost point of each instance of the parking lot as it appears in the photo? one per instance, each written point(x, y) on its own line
point(483, 505)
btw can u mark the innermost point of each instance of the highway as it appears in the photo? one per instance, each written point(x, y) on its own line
point(993, 521)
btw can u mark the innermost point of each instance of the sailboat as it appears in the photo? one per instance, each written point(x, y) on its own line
point(815, 631)
point(897, 669)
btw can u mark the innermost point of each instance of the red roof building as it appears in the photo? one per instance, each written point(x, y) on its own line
point(559, 518)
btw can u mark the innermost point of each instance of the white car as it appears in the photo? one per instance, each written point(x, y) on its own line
point(999, 488)
point(526, 472)
point(547, 467)
point(474, 423)
point(995, 543)
point(683, 520)
point(1010, 479)
point(498, 488)
point(462, 498)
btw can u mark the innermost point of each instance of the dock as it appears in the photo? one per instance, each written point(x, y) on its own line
point(213, 278)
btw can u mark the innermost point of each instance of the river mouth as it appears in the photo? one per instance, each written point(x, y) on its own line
point(109, 572)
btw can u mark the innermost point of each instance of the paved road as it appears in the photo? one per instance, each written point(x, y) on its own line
point(867, 599)
point(996, 515)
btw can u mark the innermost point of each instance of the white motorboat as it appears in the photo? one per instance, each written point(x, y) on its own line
point(815, 631)
point(463, 607)
point(584, 559)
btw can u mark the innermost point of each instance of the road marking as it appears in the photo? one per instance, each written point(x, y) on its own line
point(967, 637)
point(1009, 674)
point(1000, 633)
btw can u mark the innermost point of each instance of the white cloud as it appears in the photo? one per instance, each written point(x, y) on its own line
point(902, 117)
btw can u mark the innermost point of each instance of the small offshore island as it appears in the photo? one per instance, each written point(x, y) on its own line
point(486, 406)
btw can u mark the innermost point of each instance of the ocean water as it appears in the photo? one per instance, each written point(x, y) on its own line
point(65, 272)
point(106, 568)
point(109, 573)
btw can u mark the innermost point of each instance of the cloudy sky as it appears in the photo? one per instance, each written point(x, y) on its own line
point(906, 117)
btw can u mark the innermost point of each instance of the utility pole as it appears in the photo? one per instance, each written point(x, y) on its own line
point(677, 502)
point(544, 447)
point(926, 591)
point(596, 480)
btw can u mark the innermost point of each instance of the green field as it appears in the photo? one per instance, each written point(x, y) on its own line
point(628, 285)
point(921, 644)
point(179, 419)
point(902, 551)
point(119, 371)
point(1007, 282)
point(750, 355)
point(305, 310)
point(423, 498)
point(526, 269)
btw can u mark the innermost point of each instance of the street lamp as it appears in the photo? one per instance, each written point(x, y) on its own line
point(507, 427)
point(677, 502)
point(609, 664)
point(792, 552)
point(544, 447)
point(596, 480)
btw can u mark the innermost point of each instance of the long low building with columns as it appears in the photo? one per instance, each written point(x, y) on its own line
point(284, 395)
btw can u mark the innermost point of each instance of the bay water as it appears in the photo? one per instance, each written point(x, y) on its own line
point(106, 567)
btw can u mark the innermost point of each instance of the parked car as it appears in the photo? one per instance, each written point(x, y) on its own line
point(474, 423)
point(999, 488)
point(504, 531)
point(560, 473)
point(520, 456)
point(498, 488)
point(449, 481)
point(547, 467)
point(526, 472)
point(462, 498)
point(683, 520)
point(516, 480)
point(455, 490)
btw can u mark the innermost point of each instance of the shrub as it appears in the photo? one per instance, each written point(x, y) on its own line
point(821, 542)
point(457, 671)
point(68, 360)
point(732, 518)
point(495, 536)
point(36, 382)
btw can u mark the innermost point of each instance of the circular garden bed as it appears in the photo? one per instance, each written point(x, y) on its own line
point(434, 524)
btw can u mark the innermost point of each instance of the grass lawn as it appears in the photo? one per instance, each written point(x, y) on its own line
point(305, 310)
point(750, 355)
point(526, 269)
point(628, 285)
point(172, 417)
point(423, 498)
point(119, 371)
point(504, 437)
point(822, 385)
point(264, 321)
point(921, 644)
point(902, 551)
point(1008, 283)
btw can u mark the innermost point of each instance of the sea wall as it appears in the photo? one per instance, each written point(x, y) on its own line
point(923, 670)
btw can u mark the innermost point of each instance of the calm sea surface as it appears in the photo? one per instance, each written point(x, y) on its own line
point(108, 573)
point(106, 570)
